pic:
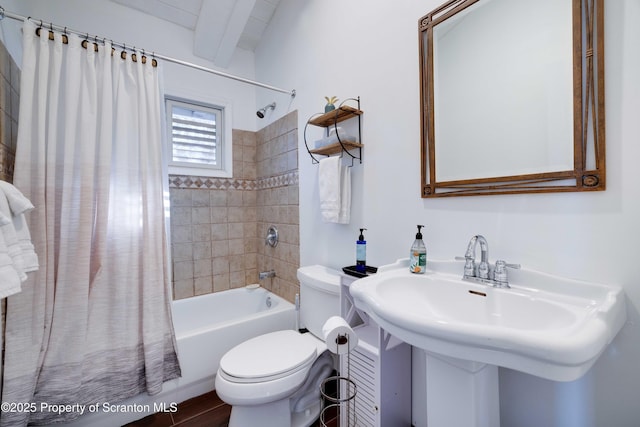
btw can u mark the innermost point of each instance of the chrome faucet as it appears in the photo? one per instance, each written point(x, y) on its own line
point(265, 274)
point(484, 272)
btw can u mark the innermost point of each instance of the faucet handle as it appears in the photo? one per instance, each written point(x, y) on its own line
point(503, 263)
point(500, 273)
point(272, 237)
point(483, 270)
point(469, 266)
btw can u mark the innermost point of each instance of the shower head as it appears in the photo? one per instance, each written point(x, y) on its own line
point(260, 112)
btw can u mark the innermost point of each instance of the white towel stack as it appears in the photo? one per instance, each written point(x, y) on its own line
point(17, 255)
point(334, 182)
point(332, 138)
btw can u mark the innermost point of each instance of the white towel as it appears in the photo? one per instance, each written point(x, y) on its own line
point(4, 220)
point(17, 239)
point(334, 181)
point(12, 246)
point(17, 202)
point(345, 195)
point(329, 185)
point(29, 257)
point(9, 276)
point(332, 138)
point(10, 279)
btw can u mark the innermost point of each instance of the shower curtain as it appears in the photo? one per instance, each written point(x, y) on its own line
point(93, 325)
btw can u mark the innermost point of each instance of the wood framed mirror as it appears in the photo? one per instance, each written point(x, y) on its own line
point(512, 97)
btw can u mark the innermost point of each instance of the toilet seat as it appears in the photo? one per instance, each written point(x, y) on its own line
point(268, 357)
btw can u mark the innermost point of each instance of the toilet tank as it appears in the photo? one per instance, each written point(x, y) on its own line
point(319, 296)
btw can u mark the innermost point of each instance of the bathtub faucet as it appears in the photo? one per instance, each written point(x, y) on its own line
point(265, 274)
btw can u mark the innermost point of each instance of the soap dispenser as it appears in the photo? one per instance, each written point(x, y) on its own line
point(418, 254)
point(361, 253)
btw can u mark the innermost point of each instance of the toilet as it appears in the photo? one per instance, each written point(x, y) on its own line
point(273, 380)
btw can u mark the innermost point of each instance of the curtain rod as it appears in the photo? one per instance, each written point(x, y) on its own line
point(51, 26)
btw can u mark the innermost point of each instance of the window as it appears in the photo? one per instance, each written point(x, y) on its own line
point(199, 141)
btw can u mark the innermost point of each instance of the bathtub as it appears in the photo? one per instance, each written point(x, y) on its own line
point(206, 328)
point(210, 325)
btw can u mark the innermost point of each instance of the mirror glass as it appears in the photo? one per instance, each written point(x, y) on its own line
point(503, 87)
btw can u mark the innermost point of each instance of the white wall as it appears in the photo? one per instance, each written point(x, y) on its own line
point(111, 20)
point(370, 48)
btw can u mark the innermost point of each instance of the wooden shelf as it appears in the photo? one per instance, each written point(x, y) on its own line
point(336, 116)
point(327, 120)
point(336, 148)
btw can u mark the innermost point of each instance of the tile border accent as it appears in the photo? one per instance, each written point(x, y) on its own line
point(286, 179)
point(186, 181)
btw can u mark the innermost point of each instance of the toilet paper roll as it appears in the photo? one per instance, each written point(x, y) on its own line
point(339, 336)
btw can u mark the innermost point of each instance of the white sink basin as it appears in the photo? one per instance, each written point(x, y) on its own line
point(543, 325)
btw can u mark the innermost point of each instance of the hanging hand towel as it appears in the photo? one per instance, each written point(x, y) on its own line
point(334, 182)
point(329, 186)
point(345, 195)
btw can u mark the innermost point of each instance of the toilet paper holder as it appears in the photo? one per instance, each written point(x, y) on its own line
point(339, 336)
point(342, 339)
point(342, 404)
point(339, 391)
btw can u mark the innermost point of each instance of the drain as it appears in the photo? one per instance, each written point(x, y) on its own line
point(482, 294)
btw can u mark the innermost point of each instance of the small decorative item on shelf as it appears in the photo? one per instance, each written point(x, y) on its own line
point(330, 103)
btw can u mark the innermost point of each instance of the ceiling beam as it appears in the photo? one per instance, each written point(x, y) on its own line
point(219, 27)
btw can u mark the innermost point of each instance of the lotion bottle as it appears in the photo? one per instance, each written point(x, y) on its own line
point(361, 253)
point(418, 254)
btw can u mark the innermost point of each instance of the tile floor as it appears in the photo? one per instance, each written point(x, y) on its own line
point(207, 410)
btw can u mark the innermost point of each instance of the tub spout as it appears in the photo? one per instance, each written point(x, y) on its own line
point(265, 274)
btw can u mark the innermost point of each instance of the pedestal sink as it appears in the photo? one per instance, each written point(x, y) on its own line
point(544, 325)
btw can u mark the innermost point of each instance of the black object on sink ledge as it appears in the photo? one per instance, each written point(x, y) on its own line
point(352, 271)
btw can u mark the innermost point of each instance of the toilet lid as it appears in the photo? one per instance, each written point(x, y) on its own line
point(268, 356)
